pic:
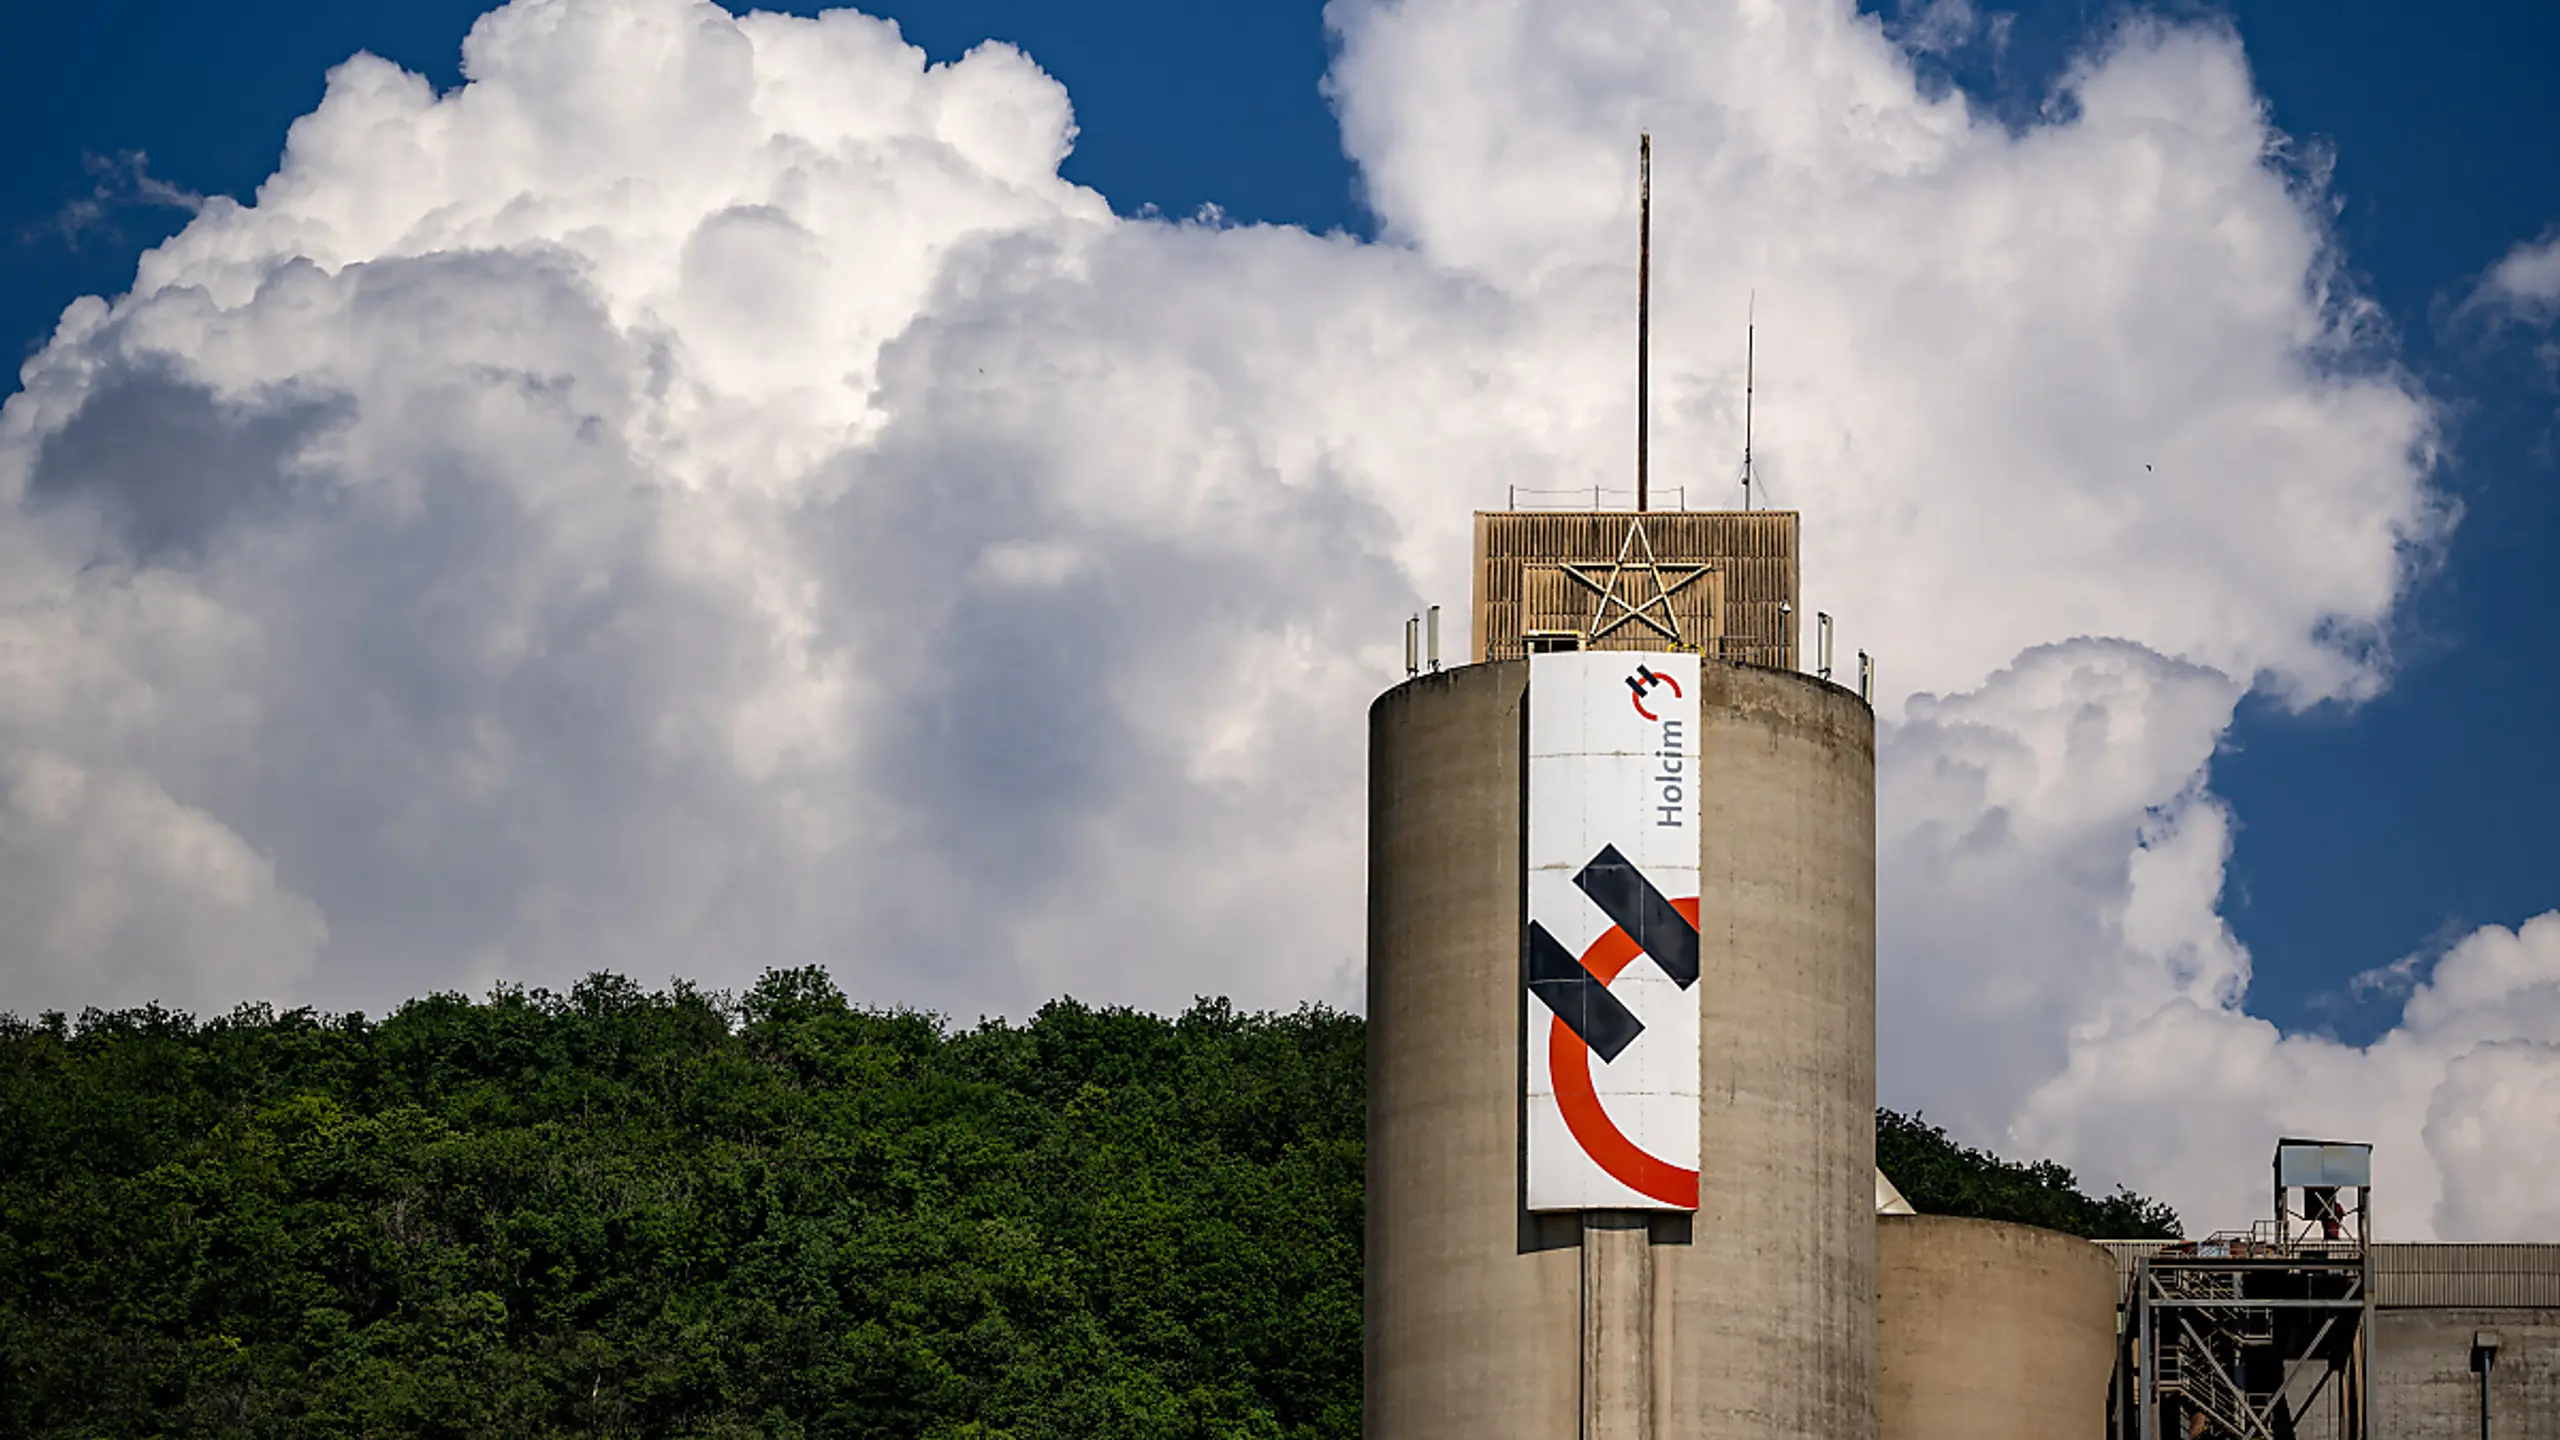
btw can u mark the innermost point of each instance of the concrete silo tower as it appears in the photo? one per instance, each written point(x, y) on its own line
point(1622, 1003)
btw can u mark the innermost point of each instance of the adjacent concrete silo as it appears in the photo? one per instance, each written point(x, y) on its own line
point(1752, 1318)
point(1991, 1331)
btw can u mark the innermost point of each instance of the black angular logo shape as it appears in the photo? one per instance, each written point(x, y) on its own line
point(1559, 979)
point(1557, 976)
point(1633, 905)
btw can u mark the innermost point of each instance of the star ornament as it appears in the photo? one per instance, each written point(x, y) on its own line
point(1611, 610)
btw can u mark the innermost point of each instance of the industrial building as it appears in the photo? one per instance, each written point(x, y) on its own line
point(2302, 1325)
point(1621, 1000)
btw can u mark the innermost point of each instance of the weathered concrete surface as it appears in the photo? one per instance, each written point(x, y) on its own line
point(1617, 1326)
point(2425, 1389)
point(1763, 1313)
point(1991, 1331)
point(1467, 1335)
point(1770, 1310)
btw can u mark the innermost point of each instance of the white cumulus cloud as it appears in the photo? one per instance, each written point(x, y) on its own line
point(706, 493)
point(2458, 1099)
point(2526, 280)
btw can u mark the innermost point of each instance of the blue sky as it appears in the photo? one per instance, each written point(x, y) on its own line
point(2360, 834)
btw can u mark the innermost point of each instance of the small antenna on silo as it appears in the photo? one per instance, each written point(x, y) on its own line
point(1412, 646)
point(1867, 678)
point(1644, 308)
point(1822, 644)
point(1750, 358)
point(1431, 632)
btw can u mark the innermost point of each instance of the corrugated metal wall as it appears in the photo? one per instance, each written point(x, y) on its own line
point(1551, 599)
point(2127, 1252)
point(2428, 1276)
point(1743, 611)
point(2466, 1277)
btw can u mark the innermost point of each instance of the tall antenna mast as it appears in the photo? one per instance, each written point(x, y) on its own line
point(1750, 355)
point(1644, 304)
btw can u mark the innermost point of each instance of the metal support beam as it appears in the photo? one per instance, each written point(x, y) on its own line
point(2223, 1330)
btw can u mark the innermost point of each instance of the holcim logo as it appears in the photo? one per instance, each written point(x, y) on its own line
point(1589, 1019)
point(1670, 780)
point(1670, 759)
point(1643, 682)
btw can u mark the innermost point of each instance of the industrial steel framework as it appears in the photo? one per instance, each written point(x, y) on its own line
point(2261, 1335)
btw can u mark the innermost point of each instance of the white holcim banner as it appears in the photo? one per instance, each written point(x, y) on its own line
point(1612, 942)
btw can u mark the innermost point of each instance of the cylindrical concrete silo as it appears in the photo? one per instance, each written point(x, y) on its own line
point(1758, 1313)
point(1992, 1331)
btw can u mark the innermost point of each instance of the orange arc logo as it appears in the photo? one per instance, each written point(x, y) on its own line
point(1569, 1063)
point(1645, 679)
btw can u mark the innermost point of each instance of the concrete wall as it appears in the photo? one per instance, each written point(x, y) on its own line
point(1771, 1307)
point(1468, 1332)
point(2425, 1389)
point(1763, 1308)
point(1991, 1331)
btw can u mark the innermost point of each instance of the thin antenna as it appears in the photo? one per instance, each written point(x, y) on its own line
point(1867, 678)
point(1750, 357)
point(1431, 632)
point(1412, 646)
point(1822, 643)
point(1644, 305)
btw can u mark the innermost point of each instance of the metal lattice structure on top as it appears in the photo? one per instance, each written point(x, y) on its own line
point(1719, 583)
point(2262, 1335)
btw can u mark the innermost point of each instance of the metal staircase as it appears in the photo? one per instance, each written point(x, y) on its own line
point(2258, 1335)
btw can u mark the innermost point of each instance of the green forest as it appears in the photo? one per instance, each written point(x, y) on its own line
point(687, 1213)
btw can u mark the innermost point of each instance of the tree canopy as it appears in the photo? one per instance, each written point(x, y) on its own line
point(1940, 1177)
point(681, 1213)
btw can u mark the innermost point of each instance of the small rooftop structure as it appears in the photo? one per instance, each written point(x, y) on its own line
point(1718, 583)
point(2324, 1193)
